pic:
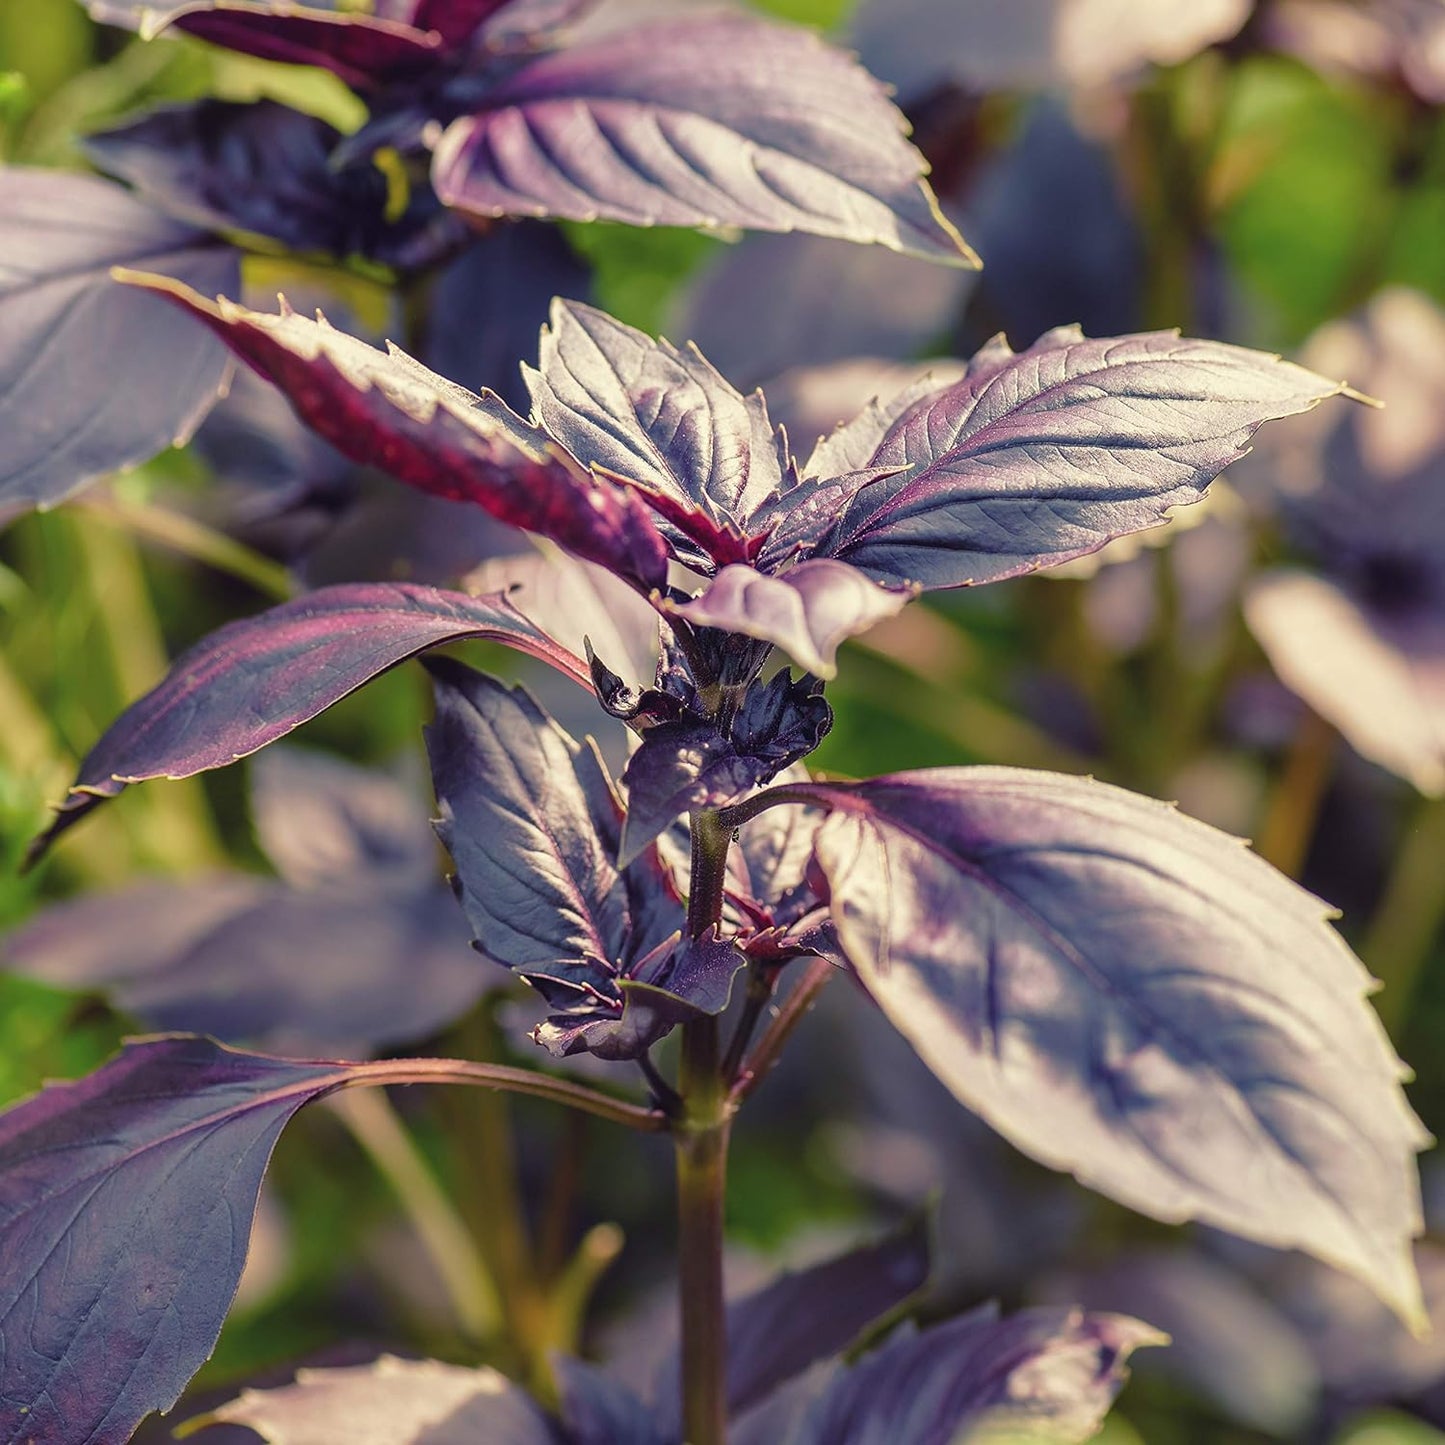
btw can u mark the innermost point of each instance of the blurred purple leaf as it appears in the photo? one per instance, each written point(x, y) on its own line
point(262, 167)
point(703, 455)
point(488, 306)
point(385, 408)
point(95, 378)
point(916, 45)
point(722, 120)
point(1229, 1344)
point(329, 971)
point(255, 680)
point(1362, 493)
point(1044, 455)
point(403, 1402)
point(1047, 1375)
point(578, 603)
point(362, 902)
point(598, 1410)
point(126, 1201)
point(364, 51)
point(1363, 1354)
point(807, 611)
point(772, 302)
point(1130, 995)
point(1380, 680)
point(532, 822)
point(805, 1316)
point(694, 762)
point(1036, 271)
point(324, 822)
point(813, 402)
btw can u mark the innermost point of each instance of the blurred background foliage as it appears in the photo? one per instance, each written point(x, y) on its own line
point(1249, 189)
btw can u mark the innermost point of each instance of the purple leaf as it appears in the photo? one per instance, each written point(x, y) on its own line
point(532, 822)
point(1130, 995)
point(221, 957)
point(694, 763)
point(1045, 455)
point(716, 121)
point(1379, 679)
point(807, 611)
point(578, 604)
point(598, 1410)
point(772, 302)
point(327, 823)
point(388, 961)
point(811, 401)
point(386, 409)
point(510, 277)
point(95, 377)
point(403, 1402)
point(917, 45)
point(702, 454)
point(260, 167)
point(253, 681)
point(363, 50)
point(126, 1202)
point(808, 1315)
point(1040, 1374)
point(454, 20)
point(1228, 1343)
point(681, 979)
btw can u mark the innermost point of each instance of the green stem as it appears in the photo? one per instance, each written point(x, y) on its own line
point(1409, 915)
point(195, 540)
point(702, 1144)
point(1289, 821)
point(701, 1137)
point(375, 1125)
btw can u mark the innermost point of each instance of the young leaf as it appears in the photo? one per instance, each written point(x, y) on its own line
point(715, 121)
point(703, 454)
point(694, 762)
point(125, 1209)
point(532, 823)
point(807, 611)
point(95, 378)
point(403, 1402)
point(1045, 455)
point(1041, 1375)
point(255, 680)
point(384, 408)
point(1133, 996)
point(363, 50)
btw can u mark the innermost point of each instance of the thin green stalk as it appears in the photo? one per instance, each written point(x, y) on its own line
point(195, 540)
point(1289, 820)
point(180, 829)
point(1410, 913)
point(375, 1126)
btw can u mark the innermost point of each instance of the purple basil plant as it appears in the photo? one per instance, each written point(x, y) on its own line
point(1120, 991)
